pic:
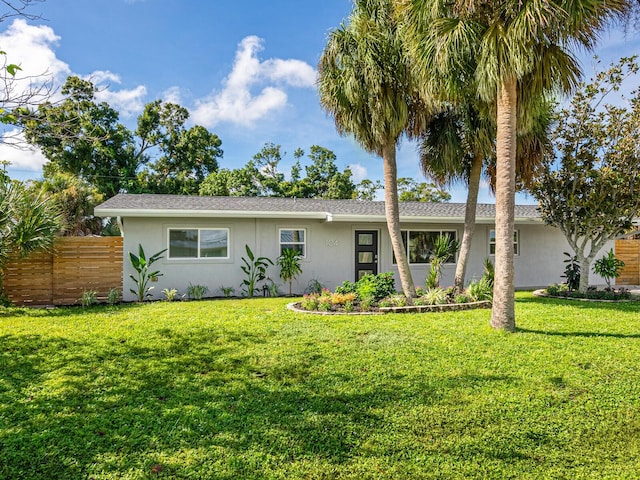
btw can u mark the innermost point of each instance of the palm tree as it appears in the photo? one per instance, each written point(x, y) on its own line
point(511, 52)
point(28, 222)
point(365, 84)
point(459, 143)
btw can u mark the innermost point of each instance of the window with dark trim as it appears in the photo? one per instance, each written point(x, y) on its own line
point(198, 243)
point(419, 244)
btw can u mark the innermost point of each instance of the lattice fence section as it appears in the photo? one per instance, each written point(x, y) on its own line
point(59, 278)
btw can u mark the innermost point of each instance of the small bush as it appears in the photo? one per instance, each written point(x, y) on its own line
point(461, 298)
point(227, 291)
point(310, 301)
point(342, 298)
point(346, 287)
point(434, 296)
point(169, 294)
point(480, 290)
point(196, 292)
point(89, 297)
point(349, 307)
point(113, 296)
point(314, 286)
point(375, 287)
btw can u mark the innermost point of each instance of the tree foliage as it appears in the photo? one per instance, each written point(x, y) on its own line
point(590, 188)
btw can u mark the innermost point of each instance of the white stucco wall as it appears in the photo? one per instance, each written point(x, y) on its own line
point(330, 255)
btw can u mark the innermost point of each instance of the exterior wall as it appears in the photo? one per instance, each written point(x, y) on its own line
point(330, 255)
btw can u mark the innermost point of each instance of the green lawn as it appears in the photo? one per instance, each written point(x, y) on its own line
point(234, 389)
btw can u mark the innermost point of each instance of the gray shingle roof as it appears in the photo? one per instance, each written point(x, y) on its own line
point(155, 205)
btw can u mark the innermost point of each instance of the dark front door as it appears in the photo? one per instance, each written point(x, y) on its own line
point(366, 252)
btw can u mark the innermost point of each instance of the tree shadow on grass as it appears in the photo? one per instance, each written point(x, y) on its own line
point(71, 409)
point(577, 334)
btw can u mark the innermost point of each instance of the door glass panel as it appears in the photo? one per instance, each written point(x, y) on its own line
point(365, 239)
point(362, 273)
point(365, 257)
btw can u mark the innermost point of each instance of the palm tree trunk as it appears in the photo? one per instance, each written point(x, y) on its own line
point(392, 211)
point(503, 313)
point(469, 222)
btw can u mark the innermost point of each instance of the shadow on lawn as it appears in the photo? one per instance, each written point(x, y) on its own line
point(578, 334)
point(70, 409)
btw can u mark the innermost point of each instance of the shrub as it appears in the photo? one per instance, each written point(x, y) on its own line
point(348, 307)
point(558, 289)
point(141, 265)
point(310, 301)
point(434, 296)
point(461, 298)
point(227, 291)
point(346, 287)
point(289, 263)
point(113, 296)
point(480, 290)
point(572, 271)
point(608, 267)
point(375, 287)
point(255, 269)
point(169, 294)
point(196, 292)
point(342, 298)
point(89, 297)
point(314, 286)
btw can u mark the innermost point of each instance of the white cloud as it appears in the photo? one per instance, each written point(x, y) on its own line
point(359, 172)
point(21, 158)
point(127, 102)
point(172, 95)
point(237, 103)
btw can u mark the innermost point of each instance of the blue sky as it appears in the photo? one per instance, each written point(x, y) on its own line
point(245, 69)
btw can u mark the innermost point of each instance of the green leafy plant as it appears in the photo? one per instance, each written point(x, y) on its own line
point(113, 296)
point(608, 267)
point(169, 294)
point(434, 296)
point(227, 291)
point(480, 290)
point(310, 301)
point(375, 287)
point(314, 286)
point(141, 265)
point(572, 271)
point(444, 249)
point(89, 297)
point(255, 268)
point(489, 271)
point(289, 263)
point(196, 292)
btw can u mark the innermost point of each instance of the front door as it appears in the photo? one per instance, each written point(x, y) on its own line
point(366, 252)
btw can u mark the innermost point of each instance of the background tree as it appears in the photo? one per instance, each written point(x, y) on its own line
point(366, 85)
point(591, 189)
point(510, 53)
point(29, 221)
point(411, 191)
point(75, 200)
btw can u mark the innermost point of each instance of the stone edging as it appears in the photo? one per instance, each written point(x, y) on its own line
point(542, 293)
point(293, 306)
point(449, 307)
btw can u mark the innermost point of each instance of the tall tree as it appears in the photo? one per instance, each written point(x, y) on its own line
point(590, 187)
point(510, 51)
point(83, 137)
point(411, 191)
point(365, 84)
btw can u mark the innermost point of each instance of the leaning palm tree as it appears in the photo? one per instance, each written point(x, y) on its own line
point(503, 49)
point(365, 84)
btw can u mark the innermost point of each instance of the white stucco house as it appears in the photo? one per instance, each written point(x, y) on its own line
point(339, 240)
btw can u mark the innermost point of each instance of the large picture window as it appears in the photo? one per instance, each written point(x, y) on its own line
point(492, 242)
point(293, 239)
point(198, 243)
point(419, 244)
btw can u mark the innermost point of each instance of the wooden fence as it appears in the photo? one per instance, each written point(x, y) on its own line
point(59, 278)
point(628, 250)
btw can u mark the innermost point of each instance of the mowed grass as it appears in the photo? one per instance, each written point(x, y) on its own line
point(234, 389)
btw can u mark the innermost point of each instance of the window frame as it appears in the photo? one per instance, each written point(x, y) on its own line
point(492, 243)
point(198, 256)
point(406, 234)
point(292, 229)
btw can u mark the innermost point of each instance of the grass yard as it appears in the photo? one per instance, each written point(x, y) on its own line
point(235, 389)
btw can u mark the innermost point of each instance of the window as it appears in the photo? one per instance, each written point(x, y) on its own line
point(198, 243)
point(492, 242)
point(294, 239)
point(420, 244)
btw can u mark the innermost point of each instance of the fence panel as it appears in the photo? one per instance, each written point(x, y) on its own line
point(628, 250)
point(59, 278)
